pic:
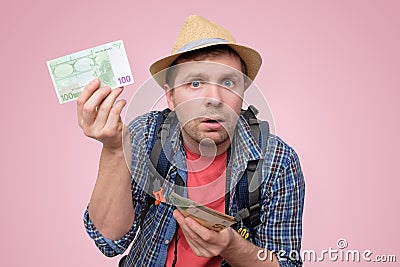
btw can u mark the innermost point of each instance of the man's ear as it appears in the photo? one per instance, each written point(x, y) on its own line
point(170, 97)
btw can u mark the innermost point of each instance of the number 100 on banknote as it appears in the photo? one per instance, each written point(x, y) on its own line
point(108, 62)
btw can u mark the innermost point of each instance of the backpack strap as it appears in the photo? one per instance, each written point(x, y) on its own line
point(248, 187)
point(158, 164)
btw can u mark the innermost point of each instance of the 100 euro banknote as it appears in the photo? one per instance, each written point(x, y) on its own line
point(212, 219)
point(108, 62)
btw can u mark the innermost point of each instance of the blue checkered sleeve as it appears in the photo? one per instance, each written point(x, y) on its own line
point(282, 201)
point(108, 247)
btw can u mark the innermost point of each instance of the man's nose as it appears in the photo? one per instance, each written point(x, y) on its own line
point(213, 94)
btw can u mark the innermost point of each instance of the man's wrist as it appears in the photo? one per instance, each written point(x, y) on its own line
point(115, 155)
point(232, 245)
point(113, 150)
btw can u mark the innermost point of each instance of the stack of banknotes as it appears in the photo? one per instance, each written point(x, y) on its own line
point(207, 217)
point(71, 73)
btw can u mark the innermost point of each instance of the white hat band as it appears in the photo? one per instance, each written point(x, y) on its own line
point(200, 42)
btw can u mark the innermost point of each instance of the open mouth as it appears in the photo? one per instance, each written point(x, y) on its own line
point(213, 120)
point(213, 123)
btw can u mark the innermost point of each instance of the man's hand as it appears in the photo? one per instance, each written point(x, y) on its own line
point(203, 242)
point(227, 243)
point(99, 115)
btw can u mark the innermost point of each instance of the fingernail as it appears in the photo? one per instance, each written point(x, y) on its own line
point(95, 81)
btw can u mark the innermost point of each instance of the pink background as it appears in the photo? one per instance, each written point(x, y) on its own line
point(330, 73)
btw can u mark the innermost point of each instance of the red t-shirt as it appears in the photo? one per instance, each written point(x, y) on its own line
point(205, 185)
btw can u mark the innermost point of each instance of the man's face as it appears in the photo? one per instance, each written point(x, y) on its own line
point(207, 97)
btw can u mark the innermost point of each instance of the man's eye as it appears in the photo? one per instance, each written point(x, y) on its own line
point(228, 83)
point(195, 84)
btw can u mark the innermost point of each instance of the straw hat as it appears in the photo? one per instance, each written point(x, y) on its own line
point(198, 32)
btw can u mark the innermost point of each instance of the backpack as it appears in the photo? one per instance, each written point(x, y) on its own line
point(247, 189)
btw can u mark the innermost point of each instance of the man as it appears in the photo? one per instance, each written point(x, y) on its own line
point(204, 79)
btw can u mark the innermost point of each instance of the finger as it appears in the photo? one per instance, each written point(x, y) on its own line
point(206, 242)
point(115, 114)
point(190, 235)
point(186, 224)
point(84, 96)
point(105, 107)
point(178, 215)
point(195, 241)
point(198, 246)
point(181, 220)
point(90, 107)
point(197, 228)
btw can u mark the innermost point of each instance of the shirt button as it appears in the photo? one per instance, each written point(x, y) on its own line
point(166, 242)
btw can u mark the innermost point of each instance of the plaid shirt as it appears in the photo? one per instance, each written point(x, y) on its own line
point(282, 196)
